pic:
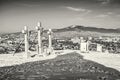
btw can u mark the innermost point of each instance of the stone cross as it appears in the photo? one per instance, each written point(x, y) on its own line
point(25, 32)
point(50, 41)
point(39, 29)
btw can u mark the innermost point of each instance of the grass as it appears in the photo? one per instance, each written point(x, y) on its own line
point(70, 66)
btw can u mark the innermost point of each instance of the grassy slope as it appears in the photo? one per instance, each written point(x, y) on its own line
point(65, 67)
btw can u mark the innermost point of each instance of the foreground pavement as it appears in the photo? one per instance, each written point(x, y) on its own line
point(18, 58)
point(71, 66)
point(108, 60)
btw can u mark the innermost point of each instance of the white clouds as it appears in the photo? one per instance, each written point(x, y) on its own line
point(110, 13)
point(118, 15)
point(78, 9)
point(107, 14)
point(104, 2)
point(102, 16)
point(82, 10)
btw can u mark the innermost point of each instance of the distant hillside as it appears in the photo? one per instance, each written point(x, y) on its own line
point(74, 31)
point(77, 31)
point(93, 29)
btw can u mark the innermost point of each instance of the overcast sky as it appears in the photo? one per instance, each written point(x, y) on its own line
point(15, 14)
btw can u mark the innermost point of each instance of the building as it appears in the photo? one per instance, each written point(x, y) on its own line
point(75, 40)
point(99, 47)
point(83, 45)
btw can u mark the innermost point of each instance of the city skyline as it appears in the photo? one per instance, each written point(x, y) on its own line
point(15, 14)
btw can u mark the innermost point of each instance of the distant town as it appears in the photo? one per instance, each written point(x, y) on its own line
point(14, 42)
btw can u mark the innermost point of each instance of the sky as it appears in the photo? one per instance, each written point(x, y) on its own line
point(15, 14)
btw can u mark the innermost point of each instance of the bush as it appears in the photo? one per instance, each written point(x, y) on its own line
point(2, 50)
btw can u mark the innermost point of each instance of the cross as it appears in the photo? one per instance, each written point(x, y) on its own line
point(50, 40)
point(25, 32)
point(39, 30)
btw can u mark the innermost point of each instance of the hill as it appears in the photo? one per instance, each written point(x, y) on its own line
point(94, 29)
point(77, 31)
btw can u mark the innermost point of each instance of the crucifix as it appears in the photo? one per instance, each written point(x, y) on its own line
point(39, 30)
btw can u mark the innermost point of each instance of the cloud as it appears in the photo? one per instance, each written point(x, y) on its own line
point(107, 14)
point(76, 9)
point(102, 16)
point(110, 13)
point(28, 4)
point(84, 11)
point(118, 15)
point(104, 2)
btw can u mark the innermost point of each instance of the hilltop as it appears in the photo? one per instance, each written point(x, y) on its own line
point(84, 28)
point(77, 31)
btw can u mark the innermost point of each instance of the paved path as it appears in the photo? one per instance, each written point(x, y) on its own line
point(9, 59)
point(106, 59)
